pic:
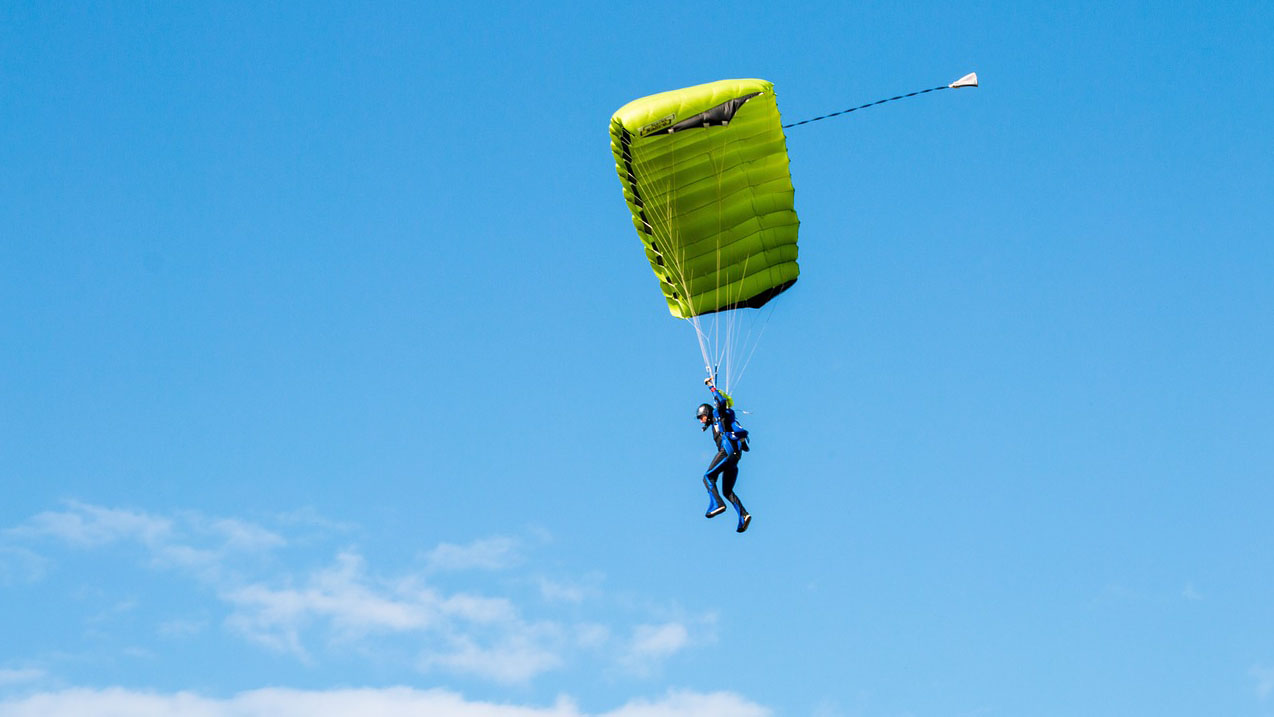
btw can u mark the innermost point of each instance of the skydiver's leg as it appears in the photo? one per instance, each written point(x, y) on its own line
point(716, 506)
point(729, 474)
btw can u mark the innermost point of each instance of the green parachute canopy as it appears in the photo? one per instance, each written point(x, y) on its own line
point(705, 173)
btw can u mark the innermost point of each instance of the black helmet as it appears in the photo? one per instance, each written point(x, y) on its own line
point(705, 410)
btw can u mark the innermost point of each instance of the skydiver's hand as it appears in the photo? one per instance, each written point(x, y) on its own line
point(707, 381)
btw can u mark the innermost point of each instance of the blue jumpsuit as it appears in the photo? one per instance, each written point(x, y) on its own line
point(731, 440)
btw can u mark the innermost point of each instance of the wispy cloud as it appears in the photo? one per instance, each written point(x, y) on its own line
point(495, 553)
point(716, 704)
point(510, 631)
point(90, 526)
point(569, 591)
point(20, 565)
point(388, 702)
point(1264, 676)
point(482, 636)
point(187, 541)
point(239, 535)
point(518, 656)
point(340, 596)
point(660, 640)
point(18, 676)
point(591, 635)
point(652, 644)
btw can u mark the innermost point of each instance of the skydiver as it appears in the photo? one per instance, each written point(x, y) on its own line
point(732, 441)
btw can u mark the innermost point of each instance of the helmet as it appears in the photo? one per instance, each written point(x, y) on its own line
point(705, 411)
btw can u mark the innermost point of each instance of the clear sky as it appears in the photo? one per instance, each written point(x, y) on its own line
point(333, 379)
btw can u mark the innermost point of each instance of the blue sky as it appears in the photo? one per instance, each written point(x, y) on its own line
point(333, 379)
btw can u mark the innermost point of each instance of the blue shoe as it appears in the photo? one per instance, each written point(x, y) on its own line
point(716, 506)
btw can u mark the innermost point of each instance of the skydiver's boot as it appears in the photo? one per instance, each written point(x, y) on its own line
point(716, 506)
point(745, 518)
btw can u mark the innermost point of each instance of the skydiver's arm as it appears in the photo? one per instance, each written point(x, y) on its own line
point(720, 400)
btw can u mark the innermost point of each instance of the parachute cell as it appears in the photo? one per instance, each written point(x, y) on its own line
point(705, 174)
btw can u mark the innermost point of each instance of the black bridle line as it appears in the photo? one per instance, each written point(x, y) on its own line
point(863, 107)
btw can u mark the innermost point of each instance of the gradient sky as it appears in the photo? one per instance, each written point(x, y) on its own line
point(333, 379)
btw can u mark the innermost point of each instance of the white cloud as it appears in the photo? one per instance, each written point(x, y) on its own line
point(338, 596)
point(517, 658)
point(463, 633)
point(487, 554)
point(388, 702)
point(345, 604)
point(478, 609)
point(90, 526)
point(591, 635)
point(19, 565)
point(569, 591)
point(188, 542)
point(652, 644)
point(239, 535)
point(658, 641)
point(19, 676)
point(677, 703)
point(354, 605)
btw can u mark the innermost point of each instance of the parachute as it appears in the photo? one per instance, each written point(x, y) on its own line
point(705, 173)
